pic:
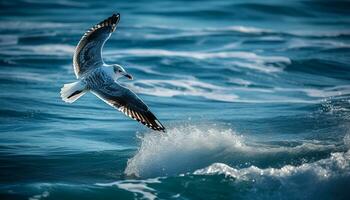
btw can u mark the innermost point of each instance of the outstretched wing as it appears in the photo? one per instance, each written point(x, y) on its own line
point(129, 103)
point(88, 53)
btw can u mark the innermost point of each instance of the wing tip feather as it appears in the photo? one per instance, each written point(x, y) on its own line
point(110, 21)
point(146, 118)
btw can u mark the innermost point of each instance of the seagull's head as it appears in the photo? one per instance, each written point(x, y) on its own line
point(120, 72)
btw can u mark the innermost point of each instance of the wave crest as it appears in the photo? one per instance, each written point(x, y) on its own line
point(187, 148)
point(324, 168)
point(177, 151)
point(316, 180)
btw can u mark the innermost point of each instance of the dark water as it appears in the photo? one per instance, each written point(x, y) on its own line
point(255, 96)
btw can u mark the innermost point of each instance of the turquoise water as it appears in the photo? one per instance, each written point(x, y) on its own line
point(255, 97)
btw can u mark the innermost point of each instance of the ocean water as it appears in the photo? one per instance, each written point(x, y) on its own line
point(255, 96)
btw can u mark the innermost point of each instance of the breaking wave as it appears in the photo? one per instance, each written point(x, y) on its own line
point(188, 148)
point(315, 180)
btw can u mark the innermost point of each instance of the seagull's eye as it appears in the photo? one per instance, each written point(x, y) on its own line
point(119, 70)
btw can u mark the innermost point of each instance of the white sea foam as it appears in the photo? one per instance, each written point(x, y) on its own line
point(330, 91)
point(288, 177)
point(175, 35)
point(241, 59)
point(248, 30)
point(321, 179)
point(322, 168)
point(302, 43)
point(240, 81)
point(194, 32)
point(187, 148)
point(26, 76)
point(170, 88)
point(241, 29)
point(194, 87)
point(319, 93)
point(256, 65)
point(137, 187)
point(173, 151)
point(43, 195)
point(317, 33)
point(201, 55)
point(46, 49)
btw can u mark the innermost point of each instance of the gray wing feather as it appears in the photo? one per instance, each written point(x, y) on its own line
point(129, 103)
point(88, 53)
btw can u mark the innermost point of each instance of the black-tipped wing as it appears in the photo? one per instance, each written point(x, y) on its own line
point(129, 103)
point(88, 53)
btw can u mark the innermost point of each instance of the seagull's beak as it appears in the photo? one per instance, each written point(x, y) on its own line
point(128, 76)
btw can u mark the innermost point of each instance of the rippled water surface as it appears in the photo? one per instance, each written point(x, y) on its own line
point(255, 96)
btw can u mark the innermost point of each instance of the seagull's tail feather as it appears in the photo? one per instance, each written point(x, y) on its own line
point(70, 92)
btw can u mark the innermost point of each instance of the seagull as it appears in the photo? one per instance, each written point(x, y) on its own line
point(95, 76)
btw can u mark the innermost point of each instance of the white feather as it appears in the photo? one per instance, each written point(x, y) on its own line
point(70, 88)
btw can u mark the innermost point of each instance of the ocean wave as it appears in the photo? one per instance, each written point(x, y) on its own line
point(240, 93)
point(340, 90)
point(241, 29)
point(295, 38)
point(18, 76)
point(187, 148)
point(241, 82)
point(312, 180)
point(319, 44)
point(335, 91)
point(31, 25)
point(324, 168)
point(65, 3)
point(45, 49)
point(168, 32)
point(6, 40)
point(336, 107)
point(138, 187)
point(43, 195)
point(238, 59)
point(59, 145)
point(171, 32)
point(321, 34)
point(171, 88)
point(257, 66)
point(200, 55)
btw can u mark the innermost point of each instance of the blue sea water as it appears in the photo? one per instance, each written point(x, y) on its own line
point(255, 96)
